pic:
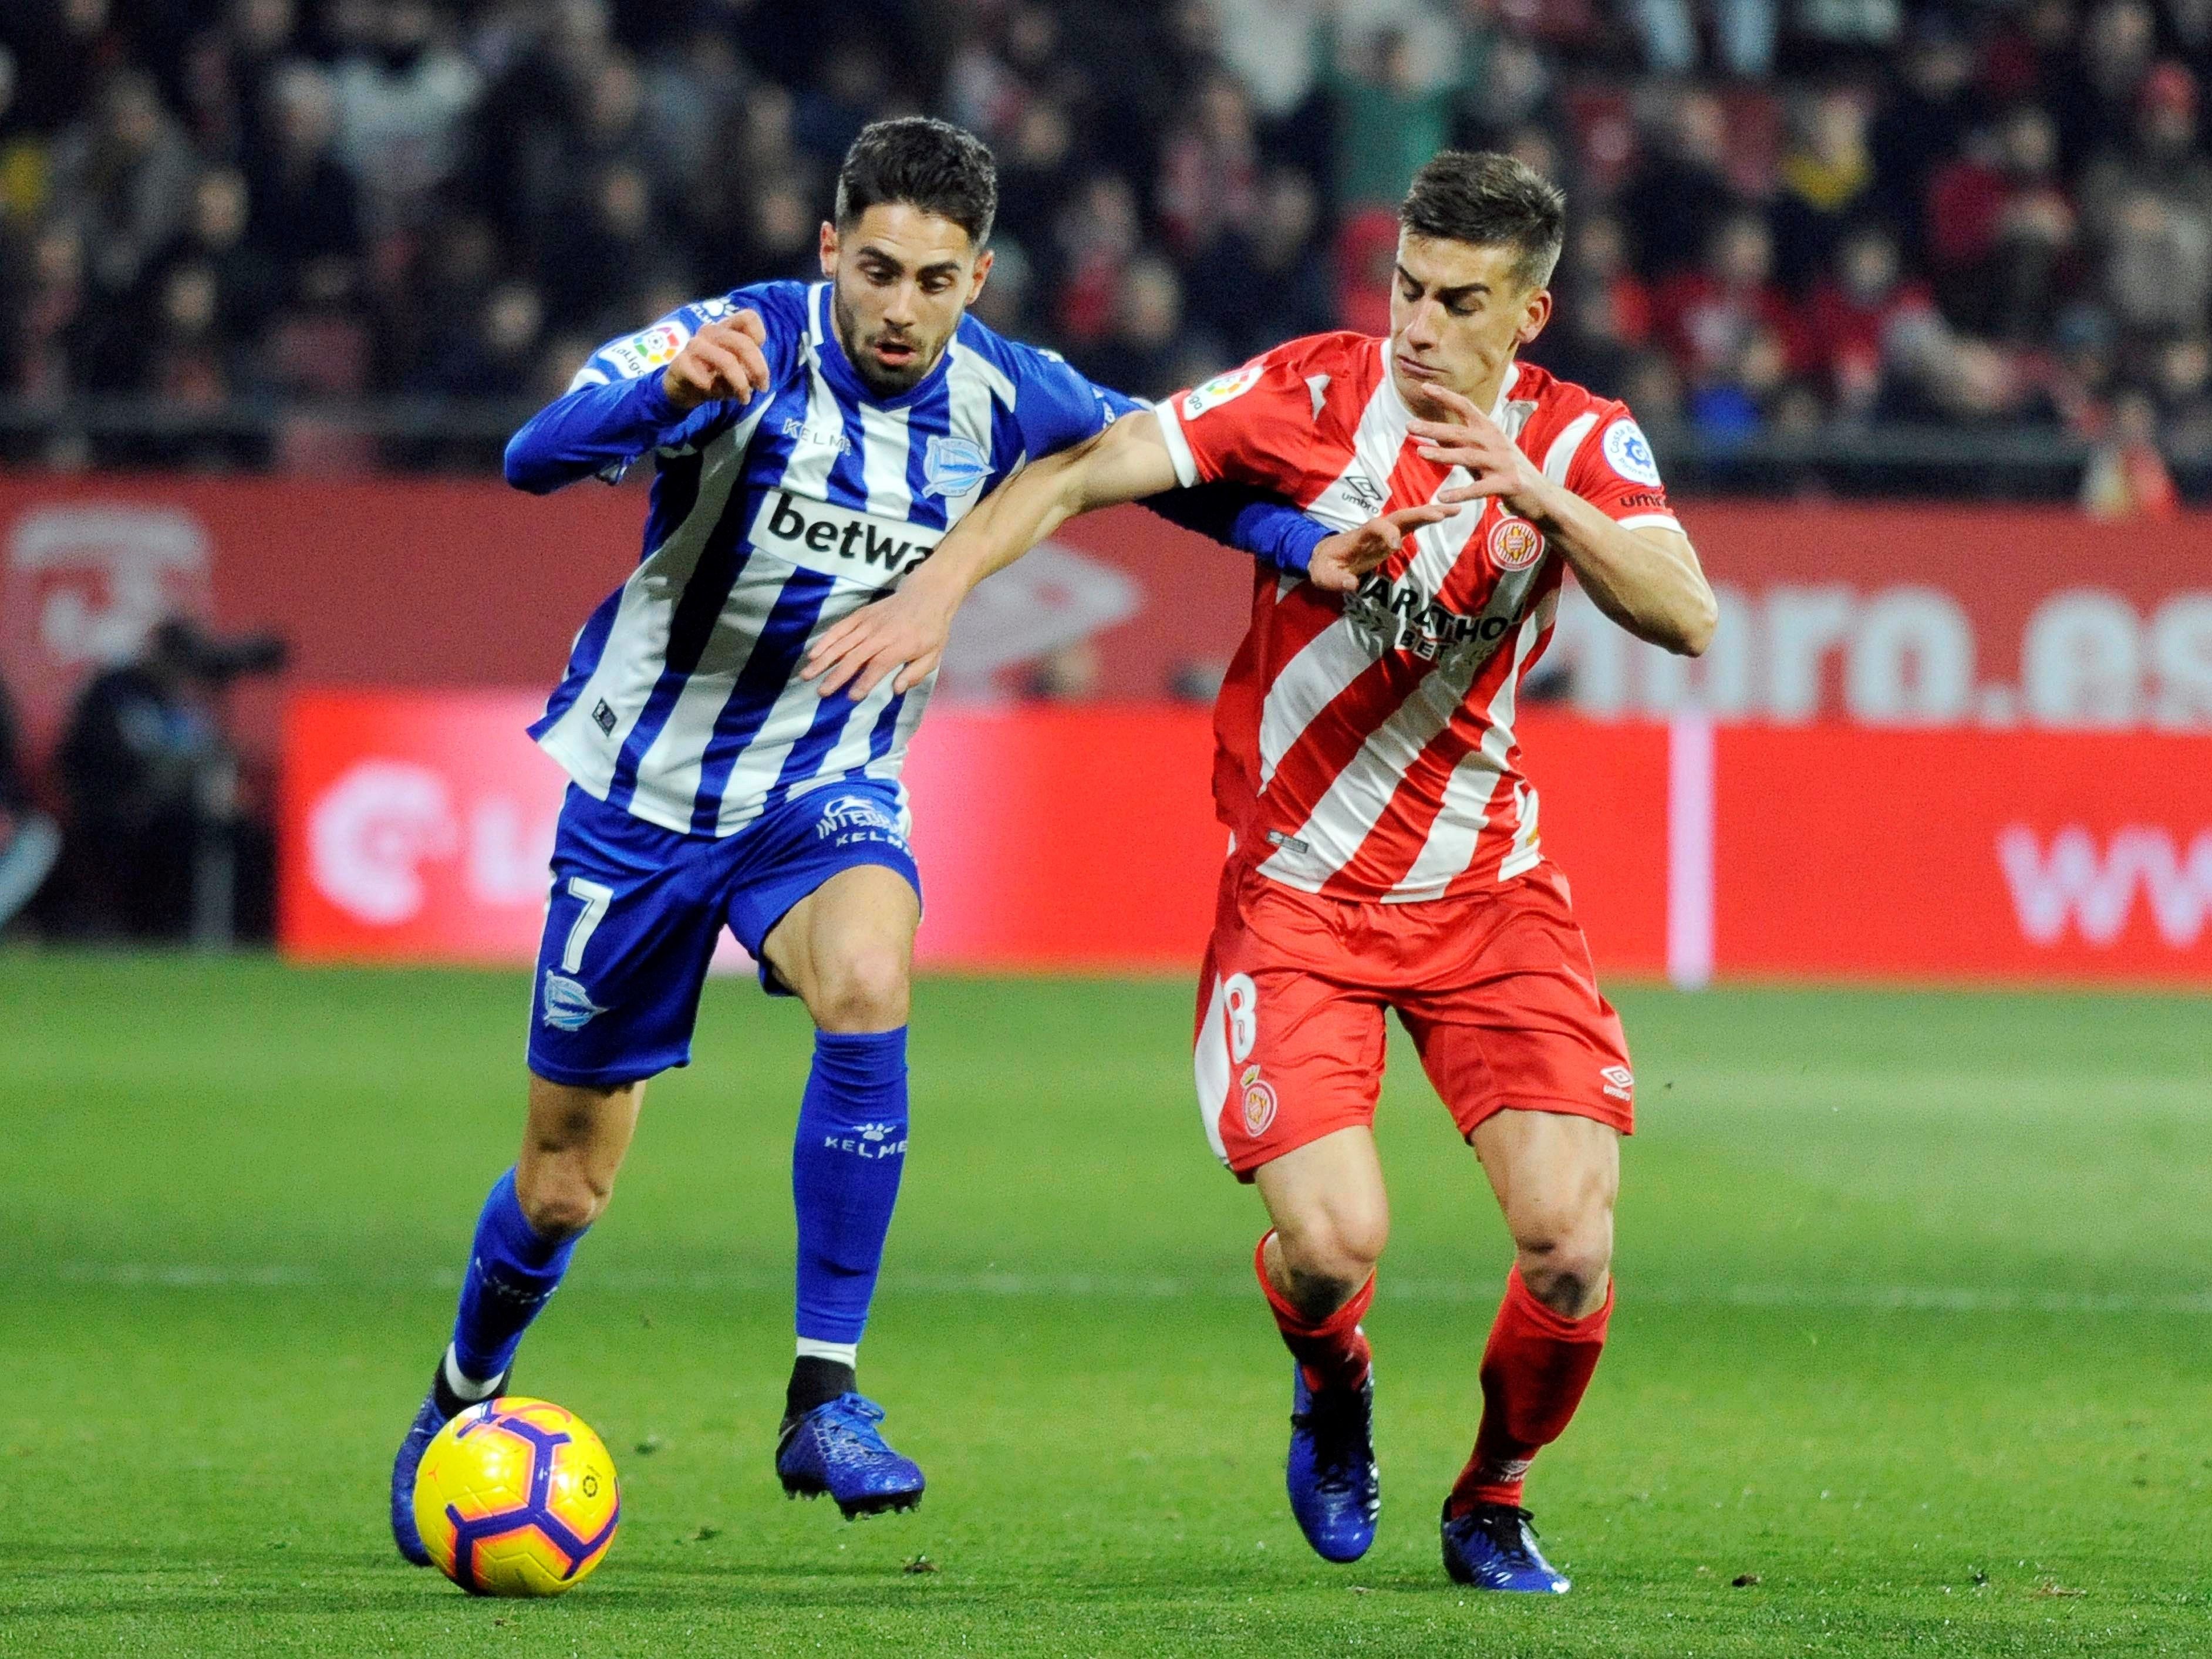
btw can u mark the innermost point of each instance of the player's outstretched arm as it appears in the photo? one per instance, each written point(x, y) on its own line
point(1648, 580)
point(1252, 520)
point(1278, 535)
point(604, 423)
point(905, 632)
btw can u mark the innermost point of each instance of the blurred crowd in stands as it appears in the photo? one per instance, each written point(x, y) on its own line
point(1783, 215)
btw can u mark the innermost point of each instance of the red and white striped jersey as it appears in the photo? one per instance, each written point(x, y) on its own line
point(1364, 746)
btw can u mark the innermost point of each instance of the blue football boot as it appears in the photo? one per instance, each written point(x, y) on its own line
point(1492, 1546)
point(835, 1448)
point(1336, 1490)
point(439, 1407)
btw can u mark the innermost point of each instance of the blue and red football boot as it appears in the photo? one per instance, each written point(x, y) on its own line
point(1336, 1490)
point(1492, 1546)
point(837, 1449)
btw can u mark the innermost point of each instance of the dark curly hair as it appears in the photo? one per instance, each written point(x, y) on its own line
point(925, 163)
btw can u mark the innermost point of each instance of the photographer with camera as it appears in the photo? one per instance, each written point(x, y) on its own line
point(29, 841)
point(158, 844)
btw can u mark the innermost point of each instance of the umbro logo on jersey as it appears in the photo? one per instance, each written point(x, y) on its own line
point(1365, 493)
point(1620, 1081)
point(839, 542)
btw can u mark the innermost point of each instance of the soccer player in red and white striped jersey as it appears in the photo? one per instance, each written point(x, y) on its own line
point(1384, 849)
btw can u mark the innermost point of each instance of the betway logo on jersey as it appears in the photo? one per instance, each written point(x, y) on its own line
point(2078, 884)
point(1398, 615)
point(839, 542)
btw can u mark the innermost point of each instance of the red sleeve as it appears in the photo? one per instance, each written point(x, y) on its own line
point(1614, 470)
point(1265, 424)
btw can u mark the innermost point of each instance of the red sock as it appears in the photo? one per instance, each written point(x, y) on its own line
point(1533, 1373)
point(1332, 1351)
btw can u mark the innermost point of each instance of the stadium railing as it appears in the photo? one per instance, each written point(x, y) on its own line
point(428, 433)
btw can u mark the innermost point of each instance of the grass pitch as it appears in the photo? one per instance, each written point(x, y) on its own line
point(1910, 1356)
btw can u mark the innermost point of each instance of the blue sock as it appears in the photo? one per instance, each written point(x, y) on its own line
point(512, 1269)
point(845, 1168)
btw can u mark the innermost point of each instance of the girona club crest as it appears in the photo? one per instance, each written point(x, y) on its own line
point(1515, 543)
point(1259, 1102)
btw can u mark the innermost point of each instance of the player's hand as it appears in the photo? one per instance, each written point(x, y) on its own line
point(903, 632)
point(722, 359)
point(1340, 561)
point(1471, 439)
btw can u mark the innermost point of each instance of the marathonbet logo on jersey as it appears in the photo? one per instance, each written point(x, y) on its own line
point(839, 542)
point(1399, 614)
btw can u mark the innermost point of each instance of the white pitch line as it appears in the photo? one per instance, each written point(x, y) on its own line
point(1900, 1298)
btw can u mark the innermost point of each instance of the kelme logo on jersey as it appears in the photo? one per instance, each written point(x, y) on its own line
point(1219, 390)
point(839, 542)
point(1628, 452)
point(568, 1005)
point(1515, 543)
point(952, 467)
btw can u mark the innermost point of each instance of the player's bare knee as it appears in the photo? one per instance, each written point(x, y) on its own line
point(1565, 1268)
point(559, 1197)
point(1326, 1261)
point(862, 990)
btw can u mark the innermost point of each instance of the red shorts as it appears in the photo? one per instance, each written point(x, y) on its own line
point(1496, 990)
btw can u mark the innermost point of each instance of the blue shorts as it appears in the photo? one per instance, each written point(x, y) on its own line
point(636, 910)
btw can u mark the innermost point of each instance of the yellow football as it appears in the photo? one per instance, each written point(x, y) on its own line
point(517, 1497)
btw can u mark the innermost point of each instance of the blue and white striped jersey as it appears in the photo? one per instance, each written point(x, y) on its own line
point(768, 522)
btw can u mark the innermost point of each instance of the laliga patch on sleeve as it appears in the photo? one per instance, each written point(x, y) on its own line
point(640, 354)
point(1628, 452)
point(1220, 389)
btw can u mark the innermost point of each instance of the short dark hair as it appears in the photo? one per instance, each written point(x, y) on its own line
point(1490, 200)
point(925, 163)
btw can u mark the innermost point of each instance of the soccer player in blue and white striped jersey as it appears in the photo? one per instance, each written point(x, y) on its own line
point(811, 445)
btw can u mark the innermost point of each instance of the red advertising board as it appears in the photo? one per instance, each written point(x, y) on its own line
point(1977, 855)
point(1997, 720)
point(416, 827)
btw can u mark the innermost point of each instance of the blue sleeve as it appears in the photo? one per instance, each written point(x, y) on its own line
point(615, 411)
point(600, 428)
point(1055, 407)
point(1267, 527)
